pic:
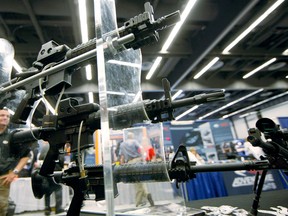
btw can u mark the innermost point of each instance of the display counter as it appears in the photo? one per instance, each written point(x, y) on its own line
point(21, 193)
point(220, 184)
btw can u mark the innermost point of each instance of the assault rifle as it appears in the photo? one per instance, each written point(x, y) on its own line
point(275, 147)
point(56, 63)
point(66, 127)
point(54, 67)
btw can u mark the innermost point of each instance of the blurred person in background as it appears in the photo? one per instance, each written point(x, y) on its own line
point(13, 157)
point(131, 152)
point(194, 156)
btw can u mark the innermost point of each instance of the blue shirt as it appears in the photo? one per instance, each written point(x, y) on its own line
point(130, 149)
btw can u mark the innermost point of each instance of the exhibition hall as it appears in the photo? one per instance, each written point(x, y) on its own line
point(146, 107)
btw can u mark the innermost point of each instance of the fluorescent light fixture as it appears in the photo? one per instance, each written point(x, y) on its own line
point(232, 103)
point(206, 68)
point(16, 66)
point(83, 20)
point(123, 63)
point(88, 70)
point(171, 36)
point(137, 97)
point(84, 31)
point(252, 26)
point(177, 27)
point(154, 67)
point(187, 112)
point(116, 93)
point(90, 97)
point(185, 122)
point(177, 94)
point(255, 105)
point(247, 114)
point(259, 68)
point(285, 52)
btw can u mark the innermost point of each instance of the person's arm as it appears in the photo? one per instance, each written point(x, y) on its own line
point(122, 161)
point(22, 162)
point(8, 178)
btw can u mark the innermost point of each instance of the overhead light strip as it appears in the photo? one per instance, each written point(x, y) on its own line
point(171, 37)
point(137, 97)
point(231, 103)
point(82, 8)
point(154, 67)
point(206, 68)
point(16, 66)
point(187, 112)
point(83, 20)
point(252, 26)
point(128, 64)
point(177, 27)
point(259, 68)
point(239, 38)
point(179, 92)
point(285, 52)
point(255, 105)
point(90, 97)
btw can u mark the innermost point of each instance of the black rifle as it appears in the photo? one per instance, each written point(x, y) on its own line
point(57, 62)
point(65, 128)
point(275, 147)
point(180, 169)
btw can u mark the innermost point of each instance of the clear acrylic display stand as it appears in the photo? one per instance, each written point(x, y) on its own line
point(119, 74)
point(12, 99)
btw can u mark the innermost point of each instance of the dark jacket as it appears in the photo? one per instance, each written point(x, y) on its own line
point(11, 153)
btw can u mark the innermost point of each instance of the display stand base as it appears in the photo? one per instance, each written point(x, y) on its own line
point(167, 209)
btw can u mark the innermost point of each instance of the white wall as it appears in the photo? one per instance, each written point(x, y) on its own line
point(240, 127)
point(281, 110)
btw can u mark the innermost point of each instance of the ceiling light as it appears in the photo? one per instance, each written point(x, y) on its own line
point(216, 66)
point(232, 103)
point(285, 52)
point(255, 105)
point(137, 97)
point(172, 36)
point(17, 67)
point(276, 66)
point(187, 112)
point(84, 31)
point(206, 68)
point(88, 72)
point(247, 114)
point(259, 68)
point(177, 27)
point(252, 26)
point(83, 20)
point(154, 67)
point(116, 93)
point(90, 97)
point(177, 94)
point(128, 64)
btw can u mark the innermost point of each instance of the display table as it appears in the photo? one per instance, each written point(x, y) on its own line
point(270, 201)
point(221, 184)
point(205, 185)
point(21, 193)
